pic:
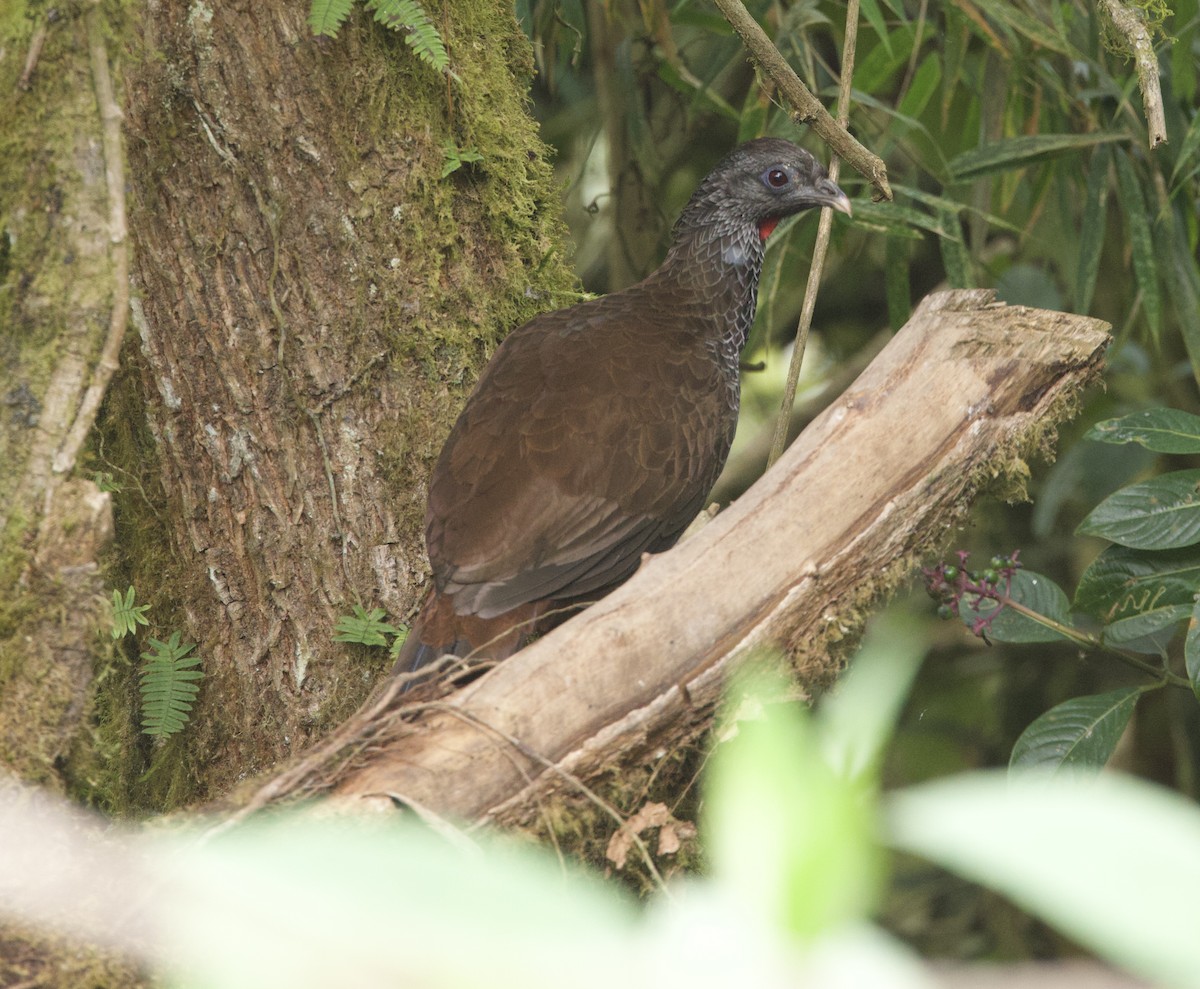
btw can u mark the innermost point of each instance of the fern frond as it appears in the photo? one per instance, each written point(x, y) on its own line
point(126, 617)
point(364, 627)
point(422, 37)
point(326, 16)
point(168, 686)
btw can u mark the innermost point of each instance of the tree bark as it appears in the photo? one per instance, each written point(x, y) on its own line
point(953, 405)
point(311, 297)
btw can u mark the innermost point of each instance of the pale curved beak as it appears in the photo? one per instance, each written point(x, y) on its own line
point(829, 194)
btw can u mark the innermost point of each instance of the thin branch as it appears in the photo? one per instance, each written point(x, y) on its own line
point(1138, 43)
point(779, 441)
point(114, 173)
point(808, 108)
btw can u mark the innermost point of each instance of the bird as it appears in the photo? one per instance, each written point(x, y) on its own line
point(595, 432)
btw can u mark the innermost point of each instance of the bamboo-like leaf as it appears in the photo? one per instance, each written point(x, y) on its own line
point(1018, 152)
point(1184, 282)
point(874, 16)
point(1162, 513)
point(1038, 32)
point(1141, 241)
point(326, 16)
point(1078, 734)
point(899, 292)
point(1187, 156)
point(924, 85)
point(954, 252)
point(1091, 238)
point(1160, 430)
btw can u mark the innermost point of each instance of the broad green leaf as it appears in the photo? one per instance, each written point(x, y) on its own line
point(1079, 733)
point(1122, 582)
point(1162, 513)
point(791, 840)
point(1191, 648)
point(1112, 862)
point(1017, 152)
point(1091, 237)
point(1141, 242)
point(1036, 592)
point(1161, 430)
point(1145, 625)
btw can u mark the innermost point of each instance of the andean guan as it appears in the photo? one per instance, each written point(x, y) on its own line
point(596, 432)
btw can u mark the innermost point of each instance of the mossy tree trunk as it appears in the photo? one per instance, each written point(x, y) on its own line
point(310, 299)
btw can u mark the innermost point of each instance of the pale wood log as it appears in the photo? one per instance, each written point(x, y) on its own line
point(955, 402)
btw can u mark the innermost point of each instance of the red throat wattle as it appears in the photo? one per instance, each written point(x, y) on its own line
point(766, 226)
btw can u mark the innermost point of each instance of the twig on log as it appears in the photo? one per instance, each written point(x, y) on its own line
point(1138, 44)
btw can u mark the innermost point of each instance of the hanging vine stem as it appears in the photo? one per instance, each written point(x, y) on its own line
point(114, 171)
point(779, 440)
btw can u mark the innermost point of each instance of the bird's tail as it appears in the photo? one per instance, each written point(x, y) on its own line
point(438, 630)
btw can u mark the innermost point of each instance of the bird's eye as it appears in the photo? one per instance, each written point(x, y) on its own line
point(776, 178)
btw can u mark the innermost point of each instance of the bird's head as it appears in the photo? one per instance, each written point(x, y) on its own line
point(759, 183)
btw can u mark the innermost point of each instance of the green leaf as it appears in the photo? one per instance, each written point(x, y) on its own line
point(856, 719)
point(326, 16)
point(1146, 625)
point(1122, 582)
point(1091, 237)
point(1187, 154)
point(420, 34)
point(1161, 430)
point(874, 15)
point(1183, 281)
point(364, 628)
point(1017, 152)
point(955, 259)
point(1038, 32)
point(896, 282)
point(790, 840)
point(1191, 648)
point(1034, 591)
point(1112, 862)
point(126, 617)
point(168, 686)
point(1081, 733)
point(1141, 241)
point(1162, 513)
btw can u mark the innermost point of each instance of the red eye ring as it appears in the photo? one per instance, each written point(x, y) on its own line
point(776, 178)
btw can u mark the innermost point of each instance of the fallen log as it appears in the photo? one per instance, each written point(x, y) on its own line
point(955, 403)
